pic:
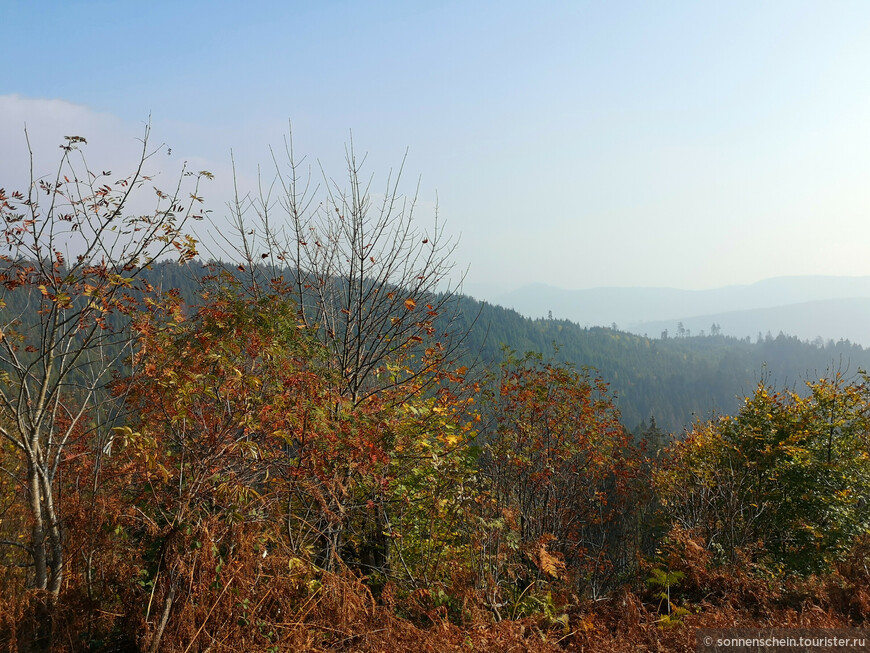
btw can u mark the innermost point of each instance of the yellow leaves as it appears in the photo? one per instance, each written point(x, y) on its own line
point(410, 304)
point(451, 439)
point(127, 434)
point(186, 248)
point(120, 281)
point(314, 586)
point(283, 434)
point(586, 624)
point(163, 472)
point(63, 300)
point(297, 563)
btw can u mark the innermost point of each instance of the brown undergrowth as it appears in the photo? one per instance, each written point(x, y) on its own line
point(277, 602)
point(710, 595)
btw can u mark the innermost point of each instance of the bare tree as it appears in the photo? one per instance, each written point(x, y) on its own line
point(364, 274)
point(70, 282)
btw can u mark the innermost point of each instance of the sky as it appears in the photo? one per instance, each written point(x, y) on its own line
point(576, 144)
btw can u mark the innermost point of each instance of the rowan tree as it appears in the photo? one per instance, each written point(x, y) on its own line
point(226, 412)
point(374, 288)
point(561, 470)
point(70, 278)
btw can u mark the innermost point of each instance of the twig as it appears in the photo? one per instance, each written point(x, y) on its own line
point(205, 621)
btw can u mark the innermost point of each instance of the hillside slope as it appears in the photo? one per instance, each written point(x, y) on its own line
point(672, 379)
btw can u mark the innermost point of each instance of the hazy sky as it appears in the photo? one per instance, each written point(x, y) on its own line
point(580, 144)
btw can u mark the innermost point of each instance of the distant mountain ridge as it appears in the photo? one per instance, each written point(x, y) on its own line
point(832, 308)
point(829, 319)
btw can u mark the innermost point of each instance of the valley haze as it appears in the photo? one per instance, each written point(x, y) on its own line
point(808, 307)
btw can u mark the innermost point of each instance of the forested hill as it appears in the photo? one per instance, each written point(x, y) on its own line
point(673, 379)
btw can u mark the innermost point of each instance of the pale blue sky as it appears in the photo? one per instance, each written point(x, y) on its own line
point(580, 144)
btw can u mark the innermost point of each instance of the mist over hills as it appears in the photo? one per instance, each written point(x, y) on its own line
point(829, 319)
point(827, 307)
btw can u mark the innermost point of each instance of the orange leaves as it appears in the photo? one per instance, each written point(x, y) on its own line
point(559, 457)
point(551, 564)
point(237, 387)
point(410, 304)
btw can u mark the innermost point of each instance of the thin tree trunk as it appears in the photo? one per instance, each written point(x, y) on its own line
point(164, 619)
point(37, 531)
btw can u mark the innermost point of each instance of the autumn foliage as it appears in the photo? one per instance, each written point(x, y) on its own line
point(299, 459)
